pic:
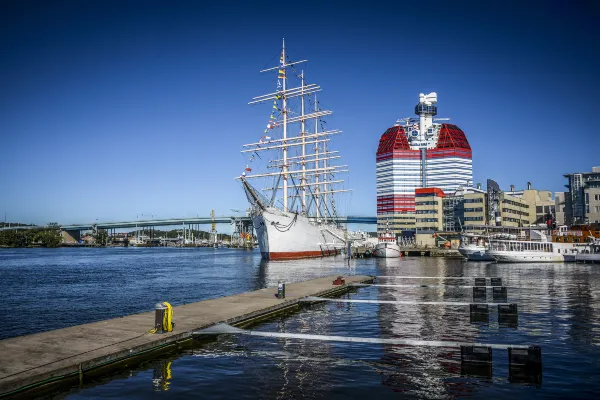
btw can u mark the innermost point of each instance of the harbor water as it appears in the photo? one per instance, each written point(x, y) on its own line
point(559, 310)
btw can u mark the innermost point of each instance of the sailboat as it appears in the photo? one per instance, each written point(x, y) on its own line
point(302, 223)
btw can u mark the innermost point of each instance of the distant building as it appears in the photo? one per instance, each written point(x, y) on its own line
point(419, 153)
point(560, 205)
point(582, 200)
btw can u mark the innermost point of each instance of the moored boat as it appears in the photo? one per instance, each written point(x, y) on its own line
point(519, 251)
point(473, 246)
point(590, 253)
point(387, 246)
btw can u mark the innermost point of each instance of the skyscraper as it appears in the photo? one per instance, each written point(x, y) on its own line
point(420, 153)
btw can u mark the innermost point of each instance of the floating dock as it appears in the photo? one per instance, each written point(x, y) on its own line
point(42, 360)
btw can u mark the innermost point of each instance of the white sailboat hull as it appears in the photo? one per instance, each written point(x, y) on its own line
point(387, 250)
point(288, 236)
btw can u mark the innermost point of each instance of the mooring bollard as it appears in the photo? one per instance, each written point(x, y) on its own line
point(479, 292)
point(525, 365)
point(499, 292)
point(163, 317)
point(495, 281)
point(339, 281)
point(476, 354)
point(479, 281)
point(280, 290)
point(479, 313)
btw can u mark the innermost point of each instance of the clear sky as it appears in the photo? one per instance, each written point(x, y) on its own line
point(113, 109)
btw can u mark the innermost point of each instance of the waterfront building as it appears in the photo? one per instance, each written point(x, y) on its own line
point(475, 208)
point(419, 153)
point(582, 200)
point(428, 204)
point(562, 210)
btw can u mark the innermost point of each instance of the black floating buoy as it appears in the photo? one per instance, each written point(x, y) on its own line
point(525, 365)
point(476, 354)
point(479, 281)
point(479, 312)
point(499, 292)
point(479, 292)
point(496, 281)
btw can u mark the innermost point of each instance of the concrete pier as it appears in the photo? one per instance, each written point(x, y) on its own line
point(42, 360)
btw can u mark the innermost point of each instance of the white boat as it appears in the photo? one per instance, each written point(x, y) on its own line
point(590, 253)
point(473, 246)
point(387, 247)
point(302, 225)
point(520, 251)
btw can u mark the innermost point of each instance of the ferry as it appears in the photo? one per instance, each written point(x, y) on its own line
point(519, 251)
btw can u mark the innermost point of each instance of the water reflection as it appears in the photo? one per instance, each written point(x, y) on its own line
point(419, 371)
point(161, 379)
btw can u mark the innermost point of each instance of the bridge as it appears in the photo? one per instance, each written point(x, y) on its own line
point(181, 221)
point(193, 221)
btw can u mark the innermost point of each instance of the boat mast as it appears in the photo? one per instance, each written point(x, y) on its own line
point(325, 180)
point(317, 202)
point(284, 111)
point(303, 180)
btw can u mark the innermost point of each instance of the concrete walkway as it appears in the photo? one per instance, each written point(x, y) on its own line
point(50, 356)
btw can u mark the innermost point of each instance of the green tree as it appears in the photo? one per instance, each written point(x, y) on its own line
point(101, 237)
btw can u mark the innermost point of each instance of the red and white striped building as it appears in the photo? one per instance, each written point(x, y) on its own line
point(419, 153)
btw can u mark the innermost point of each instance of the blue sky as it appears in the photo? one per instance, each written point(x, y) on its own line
point(111, 109)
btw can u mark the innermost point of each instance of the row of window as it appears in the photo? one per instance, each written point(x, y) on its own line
point(426, 203)
point(473, 218)
point(518, 212)
point(475, 200)
point(427, 212)
point(509, 219)
point(478, 209)
point(514, 203)
point(427, 220)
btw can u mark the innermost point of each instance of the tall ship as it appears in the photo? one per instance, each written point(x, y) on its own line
point(294, 213)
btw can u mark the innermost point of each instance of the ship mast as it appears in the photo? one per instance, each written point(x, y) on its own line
point(317, 202)
point(303, 133)
point(291, 167)
point(284, 111)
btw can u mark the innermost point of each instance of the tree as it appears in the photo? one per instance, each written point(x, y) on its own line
point(101, 237)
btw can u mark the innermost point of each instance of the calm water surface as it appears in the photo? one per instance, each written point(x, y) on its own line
point(558, 310)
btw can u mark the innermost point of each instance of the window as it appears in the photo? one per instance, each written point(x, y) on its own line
point(539, 209)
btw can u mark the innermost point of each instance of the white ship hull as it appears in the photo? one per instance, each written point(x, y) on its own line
point(525, 256)
point(529, 252)
point(585, 258)
point(387, 250)
point(288, 236)
point(475, 253)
